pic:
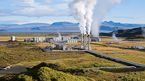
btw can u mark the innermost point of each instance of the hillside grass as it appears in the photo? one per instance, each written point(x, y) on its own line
point(52, 72)
point(45, 74)
point(29, 54)
point(120, 50)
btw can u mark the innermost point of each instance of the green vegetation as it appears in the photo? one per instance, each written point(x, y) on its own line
point(43, 73)
point(70, 66)
point(24, 77)
point(46, 74)
point(28, 54)
point(120, 50)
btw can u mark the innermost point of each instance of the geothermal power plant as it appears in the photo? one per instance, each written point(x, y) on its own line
point(60, 42)
point(90, 13)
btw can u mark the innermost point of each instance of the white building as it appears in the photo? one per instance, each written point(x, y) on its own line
point(61, 39)
point(95, 39)
point(13, 38)
point(72, 41)
point(66, 39)
point(57, 39)
point(36, 39)
point(39, 39)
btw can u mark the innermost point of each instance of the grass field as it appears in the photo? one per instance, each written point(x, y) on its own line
point(29, 54)
point(119, 50)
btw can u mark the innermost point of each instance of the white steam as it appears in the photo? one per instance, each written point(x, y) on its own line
point(90, 13)
point(79, 9)
point(100, 11)
point(114, 37)
point(115, 32)
point(90, 5)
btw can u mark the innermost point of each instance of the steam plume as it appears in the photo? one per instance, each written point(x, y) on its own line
point(90, 13)
point(100, 11)
point(114, 34)
point(114, 37)
point(78, 7)
point(90, 5)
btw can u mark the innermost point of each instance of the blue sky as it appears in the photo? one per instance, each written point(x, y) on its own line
point(49, 11)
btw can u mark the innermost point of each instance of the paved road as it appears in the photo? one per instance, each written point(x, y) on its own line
point(14, 70)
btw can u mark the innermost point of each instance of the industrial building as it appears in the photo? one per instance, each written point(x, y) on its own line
point(95, 39)
point(38, 39)
point(62, 39)
point(65, 43)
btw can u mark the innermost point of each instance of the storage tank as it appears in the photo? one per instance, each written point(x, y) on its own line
point(13, 38)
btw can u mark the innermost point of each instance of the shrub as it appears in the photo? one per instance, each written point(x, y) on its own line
point(75, 71)
point(47, 74)
point(26, 43)
point(50, 65)
point(100, 72)
point(23, 77)
point(129, 78)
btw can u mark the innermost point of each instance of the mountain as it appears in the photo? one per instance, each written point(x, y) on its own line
point(35, 28)
point(35, 25)
point(29, 25)
point(134, 33)
point(64, 24)
point(130, 33)
point(7, 26)
point(121, 25)
point(107, 26)
point(2, 30)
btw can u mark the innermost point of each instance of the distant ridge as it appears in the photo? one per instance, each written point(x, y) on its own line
point(131, 33)
point(107, 26)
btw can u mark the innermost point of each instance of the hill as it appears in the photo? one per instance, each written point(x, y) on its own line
point(106, 26)
point(131, 33)
point(121, 25)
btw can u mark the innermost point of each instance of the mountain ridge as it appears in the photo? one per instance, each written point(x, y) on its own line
point(106, 26)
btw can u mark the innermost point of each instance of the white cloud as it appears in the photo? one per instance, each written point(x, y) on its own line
point(32, 8)
point(39, 8)
point(31, 11)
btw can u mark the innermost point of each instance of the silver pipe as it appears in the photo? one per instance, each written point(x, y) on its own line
point(82, 41)
point(89, 42)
